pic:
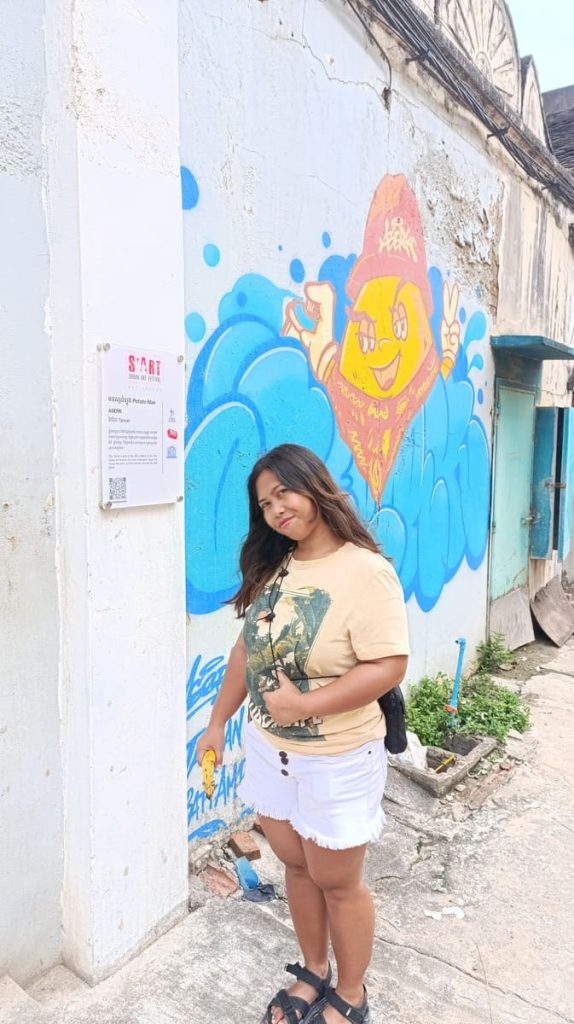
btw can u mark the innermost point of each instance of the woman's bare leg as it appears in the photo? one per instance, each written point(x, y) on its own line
point(306, 904)
point(350, 910)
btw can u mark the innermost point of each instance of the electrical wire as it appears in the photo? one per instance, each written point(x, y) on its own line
point(423, 39)
point(373, 39)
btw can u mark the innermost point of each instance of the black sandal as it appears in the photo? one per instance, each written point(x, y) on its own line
point(291, 1006)
point(356, 1014)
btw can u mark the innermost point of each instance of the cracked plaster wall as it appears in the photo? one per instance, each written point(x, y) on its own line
point(30, 777)
point(535, 274)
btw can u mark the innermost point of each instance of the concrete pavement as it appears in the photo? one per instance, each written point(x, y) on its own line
point(474, 900)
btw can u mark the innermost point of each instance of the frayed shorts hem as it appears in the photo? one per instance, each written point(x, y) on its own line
point(326, 842)
point(338, 842)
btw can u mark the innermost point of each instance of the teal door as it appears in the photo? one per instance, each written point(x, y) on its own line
point(553, 482)
point(566, 483)
point(511, 514)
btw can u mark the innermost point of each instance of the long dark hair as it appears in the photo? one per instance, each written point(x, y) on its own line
point(263, 550)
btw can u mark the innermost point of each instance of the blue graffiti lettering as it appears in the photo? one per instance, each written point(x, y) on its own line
point(203, 683)
point(209, 680)
point(234, 730)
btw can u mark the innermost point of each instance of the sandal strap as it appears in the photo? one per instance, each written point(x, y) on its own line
point(356, 1014)
point(303, 974)
point(289, 1006)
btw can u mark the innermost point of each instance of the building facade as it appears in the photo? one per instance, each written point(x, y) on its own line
point(376, 267)
point(348, 217)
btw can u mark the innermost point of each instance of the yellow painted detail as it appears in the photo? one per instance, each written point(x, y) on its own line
point(387, 338)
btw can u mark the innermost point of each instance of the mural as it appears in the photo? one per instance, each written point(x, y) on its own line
point(373, 363)
point(385, 368)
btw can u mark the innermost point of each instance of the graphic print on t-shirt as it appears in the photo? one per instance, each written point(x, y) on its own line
point(297, 620)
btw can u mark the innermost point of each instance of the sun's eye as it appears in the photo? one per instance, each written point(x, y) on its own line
point(400, 322)
point(364, 342)
point(366, 335)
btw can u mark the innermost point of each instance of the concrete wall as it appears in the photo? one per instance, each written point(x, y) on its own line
point(536, 266)
point(30, 775)
point(114, 214)
point(92, 694)
point(289, 139)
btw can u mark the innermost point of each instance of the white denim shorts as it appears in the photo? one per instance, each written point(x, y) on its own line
point(335, 799)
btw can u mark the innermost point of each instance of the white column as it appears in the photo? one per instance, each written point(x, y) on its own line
point(114, 216)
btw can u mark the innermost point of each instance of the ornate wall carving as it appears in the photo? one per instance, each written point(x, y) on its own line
point(532, 114)
point(483, 30)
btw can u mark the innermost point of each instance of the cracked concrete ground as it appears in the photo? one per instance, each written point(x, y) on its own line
point(474, 898)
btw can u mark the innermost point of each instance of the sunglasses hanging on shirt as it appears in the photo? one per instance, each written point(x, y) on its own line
point(274, 593)
point(392, 703)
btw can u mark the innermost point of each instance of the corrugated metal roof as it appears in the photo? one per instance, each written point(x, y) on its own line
point(560, 127)
point(559, 114)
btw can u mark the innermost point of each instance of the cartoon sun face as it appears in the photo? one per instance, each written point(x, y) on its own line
point(387, 337)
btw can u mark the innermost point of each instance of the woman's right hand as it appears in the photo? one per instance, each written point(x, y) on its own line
point(213, 738)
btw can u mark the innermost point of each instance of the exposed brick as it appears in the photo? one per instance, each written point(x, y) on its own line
point(487, 787)
point(258, 827)
point(243, 844)
point(219, 881)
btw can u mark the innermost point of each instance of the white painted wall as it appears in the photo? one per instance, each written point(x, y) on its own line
point(30, 774)
point(116, 276)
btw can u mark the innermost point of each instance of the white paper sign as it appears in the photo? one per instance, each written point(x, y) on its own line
point(142, 427)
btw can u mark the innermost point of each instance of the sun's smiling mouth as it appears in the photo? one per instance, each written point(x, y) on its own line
point(386, 376)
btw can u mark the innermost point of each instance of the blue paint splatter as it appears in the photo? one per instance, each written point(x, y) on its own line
point(241, 299)
point(280, 247)
point(189, 189)
point(297, 271)
point(336, 269)
point(326, 239)
point(480, 396)
point(195, 327)
point(436, 285)
point(211, 255)
point(476, 329)
point(462, 314)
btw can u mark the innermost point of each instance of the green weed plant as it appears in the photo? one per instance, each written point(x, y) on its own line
point(493, 654)
point(484, 709)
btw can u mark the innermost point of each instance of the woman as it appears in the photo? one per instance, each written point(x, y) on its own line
point(325, 635)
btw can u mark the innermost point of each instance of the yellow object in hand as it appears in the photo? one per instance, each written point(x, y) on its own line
point(207, 770)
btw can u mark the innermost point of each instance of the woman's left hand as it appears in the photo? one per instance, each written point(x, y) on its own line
point(285, 704)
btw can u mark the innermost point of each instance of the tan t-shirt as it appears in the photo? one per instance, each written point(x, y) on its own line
point(331, 613)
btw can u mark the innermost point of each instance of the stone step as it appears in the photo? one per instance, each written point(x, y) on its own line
point(16, 1006)
point(57, 987)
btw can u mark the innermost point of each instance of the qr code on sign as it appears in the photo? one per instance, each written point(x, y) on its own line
point(118, 489)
